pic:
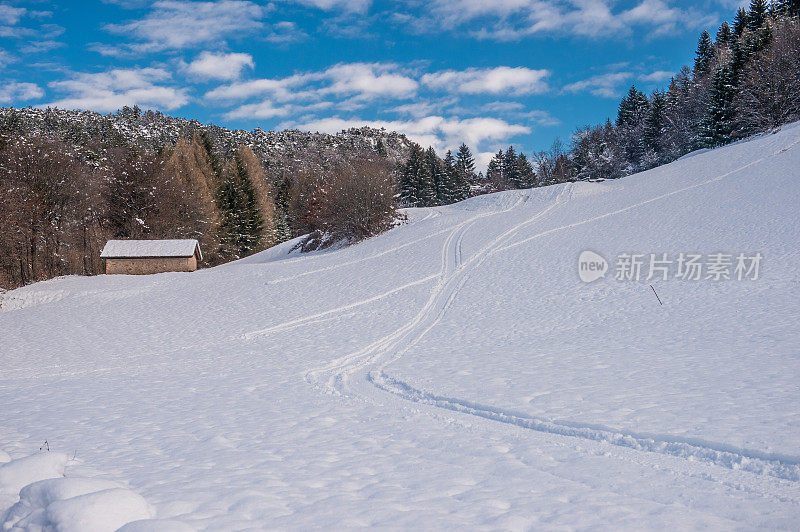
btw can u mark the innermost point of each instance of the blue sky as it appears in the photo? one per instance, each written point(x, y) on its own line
point(489, 73)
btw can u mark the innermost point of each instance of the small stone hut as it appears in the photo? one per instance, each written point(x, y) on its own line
point(138, 257)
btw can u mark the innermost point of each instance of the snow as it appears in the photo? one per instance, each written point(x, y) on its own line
point(150, 248)
point(452, 373)
point(16, 474)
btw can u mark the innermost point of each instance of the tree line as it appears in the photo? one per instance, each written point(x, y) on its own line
point(743, 81)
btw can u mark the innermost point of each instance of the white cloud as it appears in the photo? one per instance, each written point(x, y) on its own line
point(223, 66)
point(362, 81)
point(368, 80)
point(353, 6)
point(11, 15)
point(261, 110)
point(178, 24)
point(6, 59)
point(267, 109)
point(439, 132)
point(503, 79)
point(658, 76)
point(515, 19)
point(111, 90)
point(14, 92)
point(280, 89)
point(603, 85)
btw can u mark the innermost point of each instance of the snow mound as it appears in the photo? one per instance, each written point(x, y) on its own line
point(4, 457)
point(16, 474)
point(34, 498)
point(101, 511)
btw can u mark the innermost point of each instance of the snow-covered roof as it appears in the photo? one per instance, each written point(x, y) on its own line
point(115, 249)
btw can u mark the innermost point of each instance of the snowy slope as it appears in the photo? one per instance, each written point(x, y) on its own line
point(453, 372)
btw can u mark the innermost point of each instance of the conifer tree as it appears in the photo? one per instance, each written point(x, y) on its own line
point(703, 56)
point(724, 34)
point(654, 127)
point(757, 14)
point(740, 22)
point(633, 110)
point(465, 167)
point(510, 170)
point(416, 182)
point(718, 122)
point(494, 172)
point(242, 224)
point(526, 177)
point(439, 189)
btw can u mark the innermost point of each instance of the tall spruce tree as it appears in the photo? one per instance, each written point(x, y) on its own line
point(465, 166)
point(494, 171)
point(740, 22)
point(417, 188)
point(526, 177)
point(242, 225)
point(718, 122)
point(438, 178)
point(724, 34)
point(633, 110)
point(757, 14)
point(703, 56)
point(654, 127)
point(510, 169)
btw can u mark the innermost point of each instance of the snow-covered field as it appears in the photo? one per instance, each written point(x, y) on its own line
point(452, 373)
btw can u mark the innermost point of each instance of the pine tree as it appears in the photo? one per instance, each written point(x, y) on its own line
point(450, 187)
point(417, 187)
point(494, 172)
point(526, 177)
point(757, 14)
point(654, 128)
point(718, 123)
point(436, 173)
point(724, 34)
point(703, 56)
point(633, 110)
point(410, 177)
point(242, 224)
point(740, 22)
point(465, 167)
point(510, 170)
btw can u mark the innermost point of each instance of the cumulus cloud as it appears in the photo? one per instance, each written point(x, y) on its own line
point(369, 79)
point(113, 89)
point(503, 79)
point(179, 24)
point(222, 66)
point(603, 85)
point(362, 81)
point(279, 89)
point(13, 92)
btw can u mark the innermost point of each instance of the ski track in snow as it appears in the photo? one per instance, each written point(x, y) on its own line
point(453, 275)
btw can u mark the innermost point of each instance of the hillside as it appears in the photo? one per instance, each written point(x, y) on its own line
point(452, 372)
point(152, 130)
